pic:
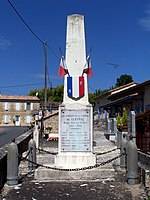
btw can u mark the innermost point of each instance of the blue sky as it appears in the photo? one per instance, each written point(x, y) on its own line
point(118, 32)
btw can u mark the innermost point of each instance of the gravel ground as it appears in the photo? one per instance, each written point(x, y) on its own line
point(103, 190)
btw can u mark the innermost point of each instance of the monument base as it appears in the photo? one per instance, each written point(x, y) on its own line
point(96, 174)
point(72, 160)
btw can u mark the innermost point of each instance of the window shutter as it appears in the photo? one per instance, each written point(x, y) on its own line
point(25, 106)
point(6, 119)
point(6, 106)
point(31, 106)
point(28, 119)
point(17, 106)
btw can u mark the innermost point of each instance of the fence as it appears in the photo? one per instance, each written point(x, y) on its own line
point(143, 131)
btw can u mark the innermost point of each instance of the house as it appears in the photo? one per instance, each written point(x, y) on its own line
point(132, 96)
point(18, 110)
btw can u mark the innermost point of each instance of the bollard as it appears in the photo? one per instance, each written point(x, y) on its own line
point(132, 162)
point(119, 138)
point(36, 137)
point(12, 164)
point(123, 150)
point(32, 155)
point(36, 132)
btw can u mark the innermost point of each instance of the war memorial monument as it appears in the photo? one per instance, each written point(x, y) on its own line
point(75, 113)
point(75, 143)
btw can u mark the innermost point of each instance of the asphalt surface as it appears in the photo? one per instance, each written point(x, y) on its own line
point(7, 133)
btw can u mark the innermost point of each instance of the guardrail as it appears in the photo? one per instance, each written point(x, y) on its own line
point(22, 143)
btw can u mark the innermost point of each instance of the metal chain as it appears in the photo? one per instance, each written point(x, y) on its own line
point(77, 169)
point(53, 153)
point(107, 151)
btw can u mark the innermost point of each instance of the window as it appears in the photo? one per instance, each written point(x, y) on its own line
point(28, 106)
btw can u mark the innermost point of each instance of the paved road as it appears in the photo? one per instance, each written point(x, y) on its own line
point(8, 133)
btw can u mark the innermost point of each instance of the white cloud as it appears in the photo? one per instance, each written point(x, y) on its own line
point(145, 23)
point(4, 43)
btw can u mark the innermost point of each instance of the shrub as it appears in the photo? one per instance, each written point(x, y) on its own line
point(124, 117)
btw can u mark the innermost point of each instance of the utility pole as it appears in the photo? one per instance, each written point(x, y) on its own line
point(45, 70)
point(50, 97)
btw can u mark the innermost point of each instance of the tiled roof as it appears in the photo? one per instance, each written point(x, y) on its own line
point(123, 87)
point(134, 87)
point(22, 98)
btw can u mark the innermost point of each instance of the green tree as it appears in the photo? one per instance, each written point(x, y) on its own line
point(91, 98)
point(123, 80)
point(57, 93)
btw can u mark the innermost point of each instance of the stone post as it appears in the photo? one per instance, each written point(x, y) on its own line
point(119, 138)
point(132, 125)
point(123, 150)
point(132, 162)
point(12, 164)
point(115, 128)
point(36, 132)
point(32, 155)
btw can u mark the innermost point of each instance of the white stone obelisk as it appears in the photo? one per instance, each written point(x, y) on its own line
point(76, 113)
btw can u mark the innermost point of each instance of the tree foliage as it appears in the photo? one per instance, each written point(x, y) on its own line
point(123, 80)
point(56, 94)
point(97, 93)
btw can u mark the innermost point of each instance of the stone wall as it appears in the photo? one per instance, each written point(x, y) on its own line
point(52, 121)
point(12, 112)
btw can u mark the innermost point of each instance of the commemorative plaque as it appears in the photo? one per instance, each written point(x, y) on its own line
point(75, 130)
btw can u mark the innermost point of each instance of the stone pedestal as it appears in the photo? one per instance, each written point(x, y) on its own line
point(75, 160)
point(75, 137)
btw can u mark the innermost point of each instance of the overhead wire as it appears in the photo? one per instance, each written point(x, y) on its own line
point(24, 85)
point(25, 22)
point(30, 29)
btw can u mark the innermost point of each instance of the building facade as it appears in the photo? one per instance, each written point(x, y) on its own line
point(132, 96)
point(18, 110)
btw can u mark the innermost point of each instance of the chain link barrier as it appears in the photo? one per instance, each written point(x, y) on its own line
point(52, 153)
point(98, 154)
point(76, 169)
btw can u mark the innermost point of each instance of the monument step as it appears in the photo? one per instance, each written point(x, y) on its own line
point(43, 174)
